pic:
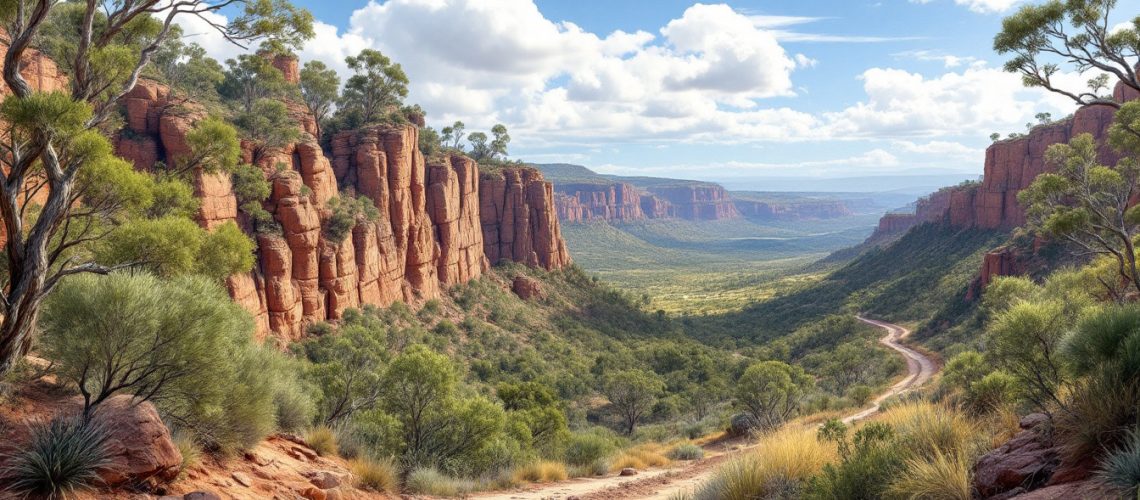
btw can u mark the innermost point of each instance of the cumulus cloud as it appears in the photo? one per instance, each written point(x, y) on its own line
point(980, 6)
point(707, 77)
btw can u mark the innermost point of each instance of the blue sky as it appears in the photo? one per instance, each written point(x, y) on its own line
point(733, 91)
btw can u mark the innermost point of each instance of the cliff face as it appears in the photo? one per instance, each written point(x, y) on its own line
point(1011, 166)
point(429, 235)
point(519, 220)
point(578, 202)
point(794, 210)
point(698, 202)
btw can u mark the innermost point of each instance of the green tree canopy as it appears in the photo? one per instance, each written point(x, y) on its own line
point(632, 394)
point(376, 85)
point(320, 88)
point(770, 392)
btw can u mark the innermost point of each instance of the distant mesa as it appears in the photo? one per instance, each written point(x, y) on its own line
point(582, 195)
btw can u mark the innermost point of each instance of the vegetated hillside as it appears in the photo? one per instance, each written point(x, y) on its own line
point(909, 280)
point(712, 266)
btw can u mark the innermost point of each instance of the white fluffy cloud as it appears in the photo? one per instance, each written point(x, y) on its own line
point(705, 77)
point(980, 6)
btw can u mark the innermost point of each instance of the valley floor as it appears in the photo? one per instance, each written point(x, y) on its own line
point(663, 484)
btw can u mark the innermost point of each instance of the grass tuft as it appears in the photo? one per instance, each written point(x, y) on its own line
point(640, 457)
point(375, 475)
point(322, 439)
point(429, 481)
point(541, 472)
point(687, 451)
point(1121, 467)
point(940, 477)
point(782, 463)
point(64, 455)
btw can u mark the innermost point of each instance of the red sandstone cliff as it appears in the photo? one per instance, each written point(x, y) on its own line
point(792, 210)
point(429, 235)
point(519, 220)
point(698, 201)
point(578, 202)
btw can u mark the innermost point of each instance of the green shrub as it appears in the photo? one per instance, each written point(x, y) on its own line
point(180, 342)
point(860, 394)
point(588, 448)
point(1121, 467)
point(63, 456)
point(429, 481)
point(687, 451)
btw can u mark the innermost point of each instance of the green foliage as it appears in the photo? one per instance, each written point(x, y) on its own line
point(687, 451)
point(1025, 341)
point(430, 481)
point(320, 89)
point(1121, 467)
point(62, 457)
point(585, 448)
point(346, 213)
point(429, 141)
point(1086, 203)
point(377, 85)
point(482, 150)
point(864, 473)
point(180, 343)
point(770, 391)
point(214, 147)
point(347, 368)
point(174, 198)
point(188, 68)
point(632, 394)
point(268, 125)
point(251, 78)
point(452, 137)
point(175, 246)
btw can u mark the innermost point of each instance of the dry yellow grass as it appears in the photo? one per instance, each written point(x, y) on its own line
point(782, 459)
point(541, 472)
point(641, 457)
point(322, 440)
point(376, 475)
point(927, 428)
point(940, 477)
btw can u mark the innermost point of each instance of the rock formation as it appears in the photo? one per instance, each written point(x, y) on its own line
point(577, 202)
point(429, 235)
point(792, 209)
point(139, 443)
point(623, 201)
point(698, 201)
point(519, 220)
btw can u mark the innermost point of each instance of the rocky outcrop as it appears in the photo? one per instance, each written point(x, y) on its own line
point(519, 220)
point(578, 202)
point(698, 201)
point(1020, 465)
point(792, 210)
point(428, 235)
point(1011, 165)
point(657, 208)
point(139, 444)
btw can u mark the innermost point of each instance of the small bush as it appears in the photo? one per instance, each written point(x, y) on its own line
point(63, 456)
point(640, 457)
point(599, 467)
point(429, 481)
point(924, 429)
point(785, 460)
point(541, 472)
point(941, 477)
point(1121, 467)
point(322, 440)
point(191, 454)
point(687, 451)
point(588, 448)
point(375, 475)
point(860, 394)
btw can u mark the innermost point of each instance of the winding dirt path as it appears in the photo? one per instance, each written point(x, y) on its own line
point(662, 484)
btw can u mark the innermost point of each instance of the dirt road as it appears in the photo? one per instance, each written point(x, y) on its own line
point(662, 484)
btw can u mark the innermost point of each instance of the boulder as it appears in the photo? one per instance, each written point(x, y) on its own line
point(139, 443)
point(628, 471)
point(527, 288)
point(1026, 461)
